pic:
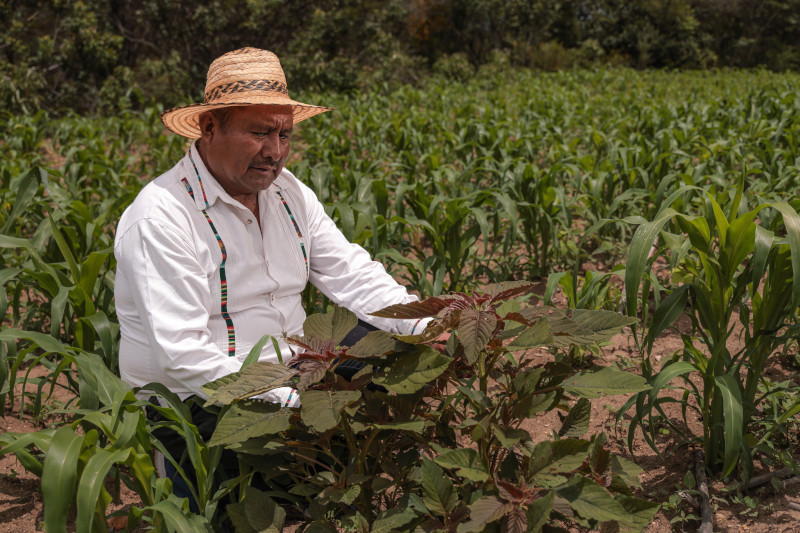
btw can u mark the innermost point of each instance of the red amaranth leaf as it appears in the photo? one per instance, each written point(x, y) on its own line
point(475, 329)
point(516, 521)
point(423, 309)
point(510, 492)
point(509, 289)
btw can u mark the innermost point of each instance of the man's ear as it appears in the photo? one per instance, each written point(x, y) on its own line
point(208, 126)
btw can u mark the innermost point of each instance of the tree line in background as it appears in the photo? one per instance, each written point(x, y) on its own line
point(101, 55)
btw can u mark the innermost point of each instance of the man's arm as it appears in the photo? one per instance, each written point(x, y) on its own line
point(346, 274)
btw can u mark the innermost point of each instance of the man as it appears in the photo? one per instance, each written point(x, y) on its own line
point(216, 252)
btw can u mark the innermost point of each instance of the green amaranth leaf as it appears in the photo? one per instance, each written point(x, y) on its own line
point(537, 335)
point(510, 437)
point(411, 371)
point(262, 512)
point(250, 419)
point(437, 489)
point(238, 517)
point(593, 502)
point(576, 423)
point(587, 326)
point(627, 470)
point(374, 344)
point(320, 526)
point(256, 379)
point(346, 497)
point(392, 520)
point(465, 462)
point(332, 326)
point(218, 383)
point(640, 513)
point(606, 381)
point(553, 457)
point(539, 512)
point(322, 410)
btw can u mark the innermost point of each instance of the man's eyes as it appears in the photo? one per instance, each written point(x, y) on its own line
point(282, 135)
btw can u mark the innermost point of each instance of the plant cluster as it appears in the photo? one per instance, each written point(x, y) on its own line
point(723, 264)
point(435, 440)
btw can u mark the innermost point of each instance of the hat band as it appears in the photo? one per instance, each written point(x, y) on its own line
point(241, 86)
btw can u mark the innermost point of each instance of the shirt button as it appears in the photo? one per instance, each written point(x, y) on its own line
point(249, 220)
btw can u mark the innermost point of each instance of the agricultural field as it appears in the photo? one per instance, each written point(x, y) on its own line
point(617, 252)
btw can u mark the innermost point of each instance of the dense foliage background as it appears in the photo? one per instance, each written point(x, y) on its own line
point(96, 55)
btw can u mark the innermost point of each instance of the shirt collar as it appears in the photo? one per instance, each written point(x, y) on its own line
point(204, 188)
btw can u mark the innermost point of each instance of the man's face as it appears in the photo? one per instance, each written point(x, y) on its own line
point(248, 152)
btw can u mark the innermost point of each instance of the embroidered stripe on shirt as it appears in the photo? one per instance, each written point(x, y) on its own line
point(202, 189)
point(222, 278)
point(296, 228)
point(289, 398)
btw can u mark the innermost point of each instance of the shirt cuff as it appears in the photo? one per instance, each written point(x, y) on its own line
point(420, 325)
point(284, 396)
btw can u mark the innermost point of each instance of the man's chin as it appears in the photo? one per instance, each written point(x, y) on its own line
point(263, 178)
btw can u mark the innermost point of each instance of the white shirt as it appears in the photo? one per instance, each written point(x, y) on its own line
point(190, 314)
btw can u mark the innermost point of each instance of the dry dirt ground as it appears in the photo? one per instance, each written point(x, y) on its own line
point(21, 509)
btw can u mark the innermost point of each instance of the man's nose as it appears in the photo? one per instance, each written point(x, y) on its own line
point(271, 146)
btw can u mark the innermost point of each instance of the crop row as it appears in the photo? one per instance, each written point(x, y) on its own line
point(455, 187)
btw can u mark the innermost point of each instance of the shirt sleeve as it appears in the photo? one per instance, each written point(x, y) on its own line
point(346, 274)
point(170, 293)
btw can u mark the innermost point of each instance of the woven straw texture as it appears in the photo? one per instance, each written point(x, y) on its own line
point(240, 78)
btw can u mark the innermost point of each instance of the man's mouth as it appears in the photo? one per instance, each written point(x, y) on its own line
point(265, 168)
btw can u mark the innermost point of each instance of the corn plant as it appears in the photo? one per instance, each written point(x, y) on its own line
point(434, 439)
point(725, 263)
point(107, 438)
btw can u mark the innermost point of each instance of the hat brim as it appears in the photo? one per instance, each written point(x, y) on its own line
point(184, 120)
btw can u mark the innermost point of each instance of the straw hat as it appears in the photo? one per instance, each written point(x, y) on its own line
point(243, 77)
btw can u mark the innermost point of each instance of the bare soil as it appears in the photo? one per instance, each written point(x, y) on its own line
point(21, 508)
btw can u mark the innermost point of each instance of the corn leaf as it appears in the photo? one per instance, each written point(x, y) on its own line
point(59, 475)
point(732, 412)
point(92, 482)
